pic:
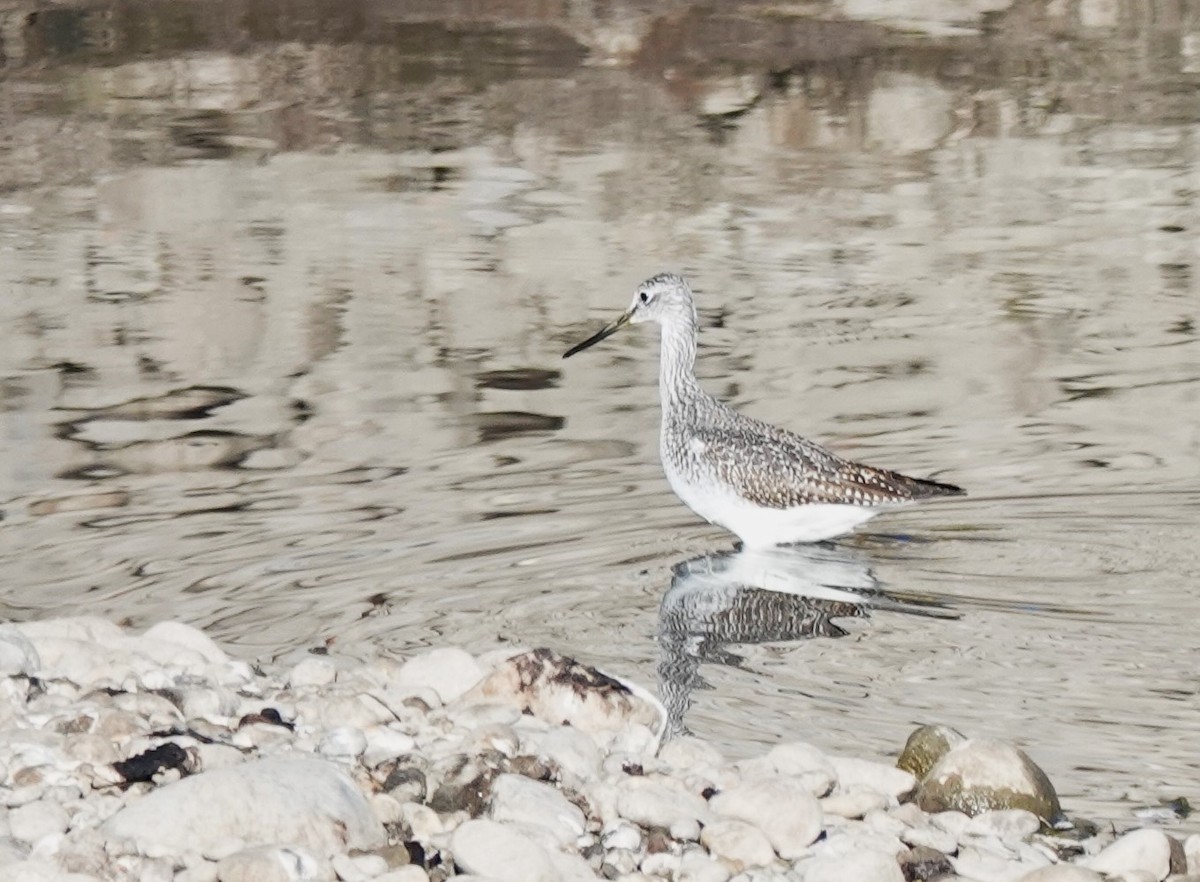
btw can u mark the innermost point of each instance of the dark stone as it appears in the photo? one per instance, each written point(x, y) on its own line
point(466, 783)
point(406, 783)
point(268, 716)
point(924, 864)
point(534, 767)
point(145, 766)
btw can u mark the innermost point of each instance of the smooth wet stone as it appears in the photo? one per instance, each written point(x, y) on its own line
point(1062, 873)
point(490, 849)
point(306, 802)
point(653, 802)
point(982, 774)
point(516, 799)
point(925, 746)
point(862, 866)
point(273, 863)
point(561, 691)
point(854, 775)
point(739, 843)
point(1146, 851)
point(448, 671)
point(783, 808)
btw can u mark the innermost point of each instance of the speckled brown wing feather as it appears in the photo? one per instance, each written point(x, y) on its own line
point(776, 469)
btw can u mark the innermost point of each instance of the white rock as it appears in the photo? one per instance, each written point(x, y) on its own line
point(1007, 825)
point(954, 823)
point(783, 808)
point(358, 868)
point(316, 670)
point(974, 862)
point(203, 871)
point(1146, 850)
point(344, 742)
point(17, 653)
point(385, 743)
point(800, 760)
point(696, 866)
point(424, 822)
point(740, 844)
point(853, 805)
point(176, 635)
point(517, 799)
point(1063, 873)
point(306, 802)
point(930, 837)
point(655, 802)
point(858, 774)
point(663, 863)
point(405, 874)
point(274, 863)
point(1191, 851)
point(570, 867)
point(490, 849)
point(621, 834)
point(37, 820)
point(448, 671)
point(689, 754)
point(865, 865)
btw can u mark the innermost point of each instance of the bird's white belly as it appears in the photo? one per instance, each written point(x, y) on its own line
point(760, 527)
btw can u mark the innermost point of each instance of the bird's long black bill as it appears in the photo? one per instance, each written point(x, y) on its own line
point(607, 331)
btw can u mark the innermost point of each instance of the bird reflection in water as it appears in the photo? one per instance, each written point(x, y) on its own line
point(765, 595)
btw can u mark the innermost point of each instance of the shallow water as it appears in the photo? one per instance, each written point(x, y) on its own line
point(285, 290)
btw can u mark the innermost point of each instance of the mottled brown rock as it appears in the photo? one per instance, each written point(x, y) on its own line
point(927, 745)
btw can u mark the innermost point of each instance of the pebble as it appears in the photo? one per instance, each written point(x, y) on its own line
point(783, 808)
point(499, 852)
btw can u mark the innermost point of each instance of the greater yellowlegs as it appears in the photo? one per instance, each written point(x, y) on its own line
point(764, 484)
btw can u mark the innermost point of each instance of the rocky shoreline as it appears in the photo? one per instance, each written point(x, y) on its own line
point(157, 757)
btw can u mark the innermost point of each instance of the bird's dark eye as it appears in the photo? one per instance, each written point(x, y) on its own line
point(644, 297)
